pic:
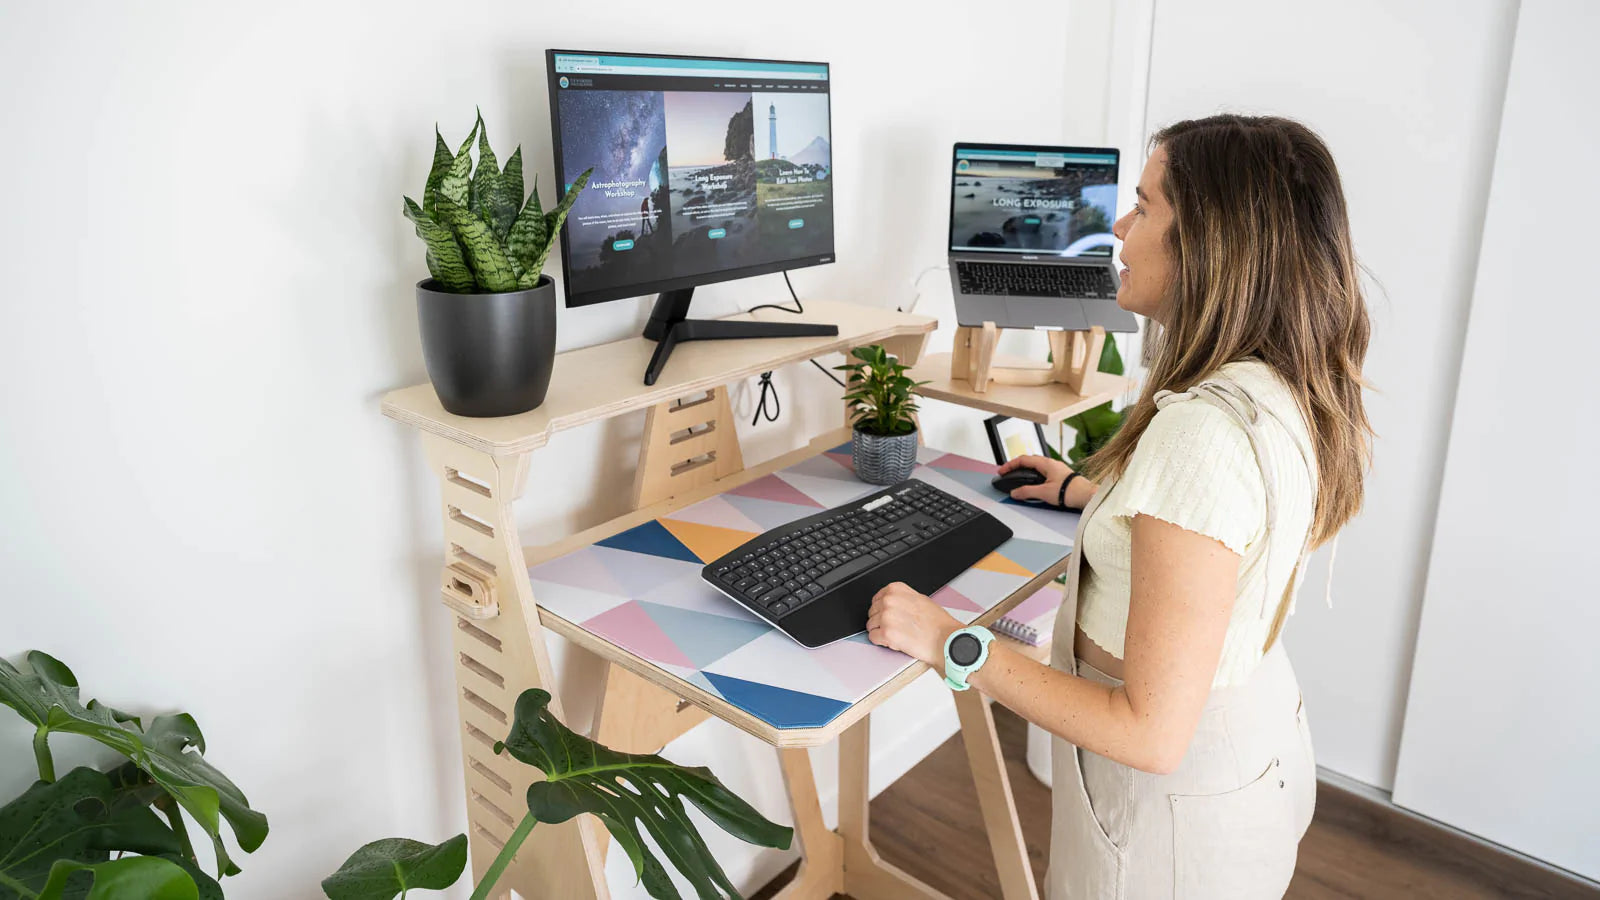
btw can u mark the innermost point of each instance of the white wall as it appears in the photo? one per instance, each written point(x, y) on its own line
point(209, 288)
point(1408, 98)
point(1503, 722)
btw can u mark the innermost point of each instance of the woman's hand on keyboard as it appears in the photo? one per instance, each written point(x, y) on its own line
point(902, 619)
point(1054, 471)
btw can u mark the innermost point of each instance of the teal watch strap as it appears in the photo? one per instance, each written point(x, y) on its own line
point(971, 645)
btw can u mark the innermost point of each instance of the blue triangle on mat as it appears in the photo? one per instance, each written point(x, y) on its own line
point(775, 705)
point(652, 538)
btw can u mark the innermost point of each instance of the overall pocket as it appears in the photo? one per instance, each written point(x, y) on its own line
point(1236, 845)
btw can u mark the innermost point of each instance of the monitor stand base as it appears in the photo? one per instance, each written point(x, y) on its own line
point(670, 326)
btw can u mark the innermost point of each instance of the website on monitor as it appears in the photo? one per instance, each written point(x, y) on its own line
point(1031, 201)
point(699, 165)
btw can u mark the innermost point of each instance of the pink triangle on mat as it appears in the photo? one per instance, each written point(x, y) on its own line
point(843, 459)
point(580, 569)
point(951, 598)
point(954, 461)
point(630, 627)
point(771, 487)
point(860, 666)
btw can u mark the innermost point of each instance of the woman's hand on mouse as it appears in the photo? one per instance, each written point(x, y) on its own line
point(902, 619)
point(1054, 471)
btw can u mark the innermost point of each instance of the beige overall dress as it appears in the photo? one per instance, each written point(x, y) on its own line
point(1227, 823)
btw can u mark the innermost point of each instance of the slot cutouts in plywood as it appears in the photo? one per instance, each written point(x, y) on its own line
point(455, 477)
point(693, 400)
point(693, 431)
point(471, 521)
point(477, 734)
point(489, 775)
point(497, 812)
point(489, 836)
point(489, 709)
point(483, 637)
point(689, 465)
point(482, 671)
point(476, 562)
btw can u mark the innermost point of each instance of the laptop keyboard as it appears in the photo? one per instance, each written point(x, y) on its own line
point(1013, 280)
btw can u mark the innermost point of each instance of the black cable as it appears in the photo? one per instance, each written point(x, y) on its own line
point(799, 308)
point(767, 390)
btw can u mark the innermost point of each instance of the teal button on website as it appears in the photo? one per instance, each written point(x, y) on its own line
point(797, 223)
point(716, 233)
point(1030, 220)
point(624, 244)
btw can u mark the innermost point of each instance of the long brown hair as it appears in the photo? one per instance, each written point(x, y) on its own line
point(1265, 269)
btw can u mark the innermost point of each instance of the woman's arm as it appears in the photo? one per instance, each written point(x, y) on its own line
point(1079, 492)
point(1183, 587)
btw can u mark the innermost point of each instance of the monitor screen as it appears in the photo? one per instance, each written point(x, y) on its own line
point(705, 169)
point(1060, 201)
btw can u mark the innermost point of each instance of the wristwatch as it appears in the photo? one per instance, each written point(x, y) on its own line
point(965, 651)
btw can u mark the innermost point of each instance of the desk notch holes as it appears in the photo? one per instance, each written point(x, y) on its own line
point(473, 560)
point(489, 775)
point(471, 521)
point(489, 709)
point(689, 465)
point(477, 735)
point(482, 671)
point(683, 705)
point(483, 637)
point(455, 477)
point(693, 431)
point(692, 400)
point(489, 836)
point(497, 812)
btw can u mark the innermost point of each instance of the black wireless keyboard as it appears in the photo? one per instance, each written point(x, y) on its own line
point(815, 577)
point(1023, 280)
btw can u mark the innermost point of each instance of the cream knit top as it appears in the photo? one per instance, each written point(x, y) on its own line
point(1194, 467)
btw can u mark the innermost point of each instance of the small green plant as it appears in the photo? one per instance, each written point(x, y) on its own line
point(481, 236)
point(58, 838)
point(880, 394)
point(624, 790)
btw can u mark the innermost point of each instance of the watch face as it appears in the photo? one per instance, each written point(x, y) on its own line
point(964, 650)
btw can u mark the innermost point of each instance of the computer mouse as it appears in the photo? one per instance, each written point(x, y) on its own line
point(1018, 477)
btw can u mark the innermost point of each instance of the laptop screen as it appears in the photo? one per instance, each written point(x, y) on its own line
point(1058, 201)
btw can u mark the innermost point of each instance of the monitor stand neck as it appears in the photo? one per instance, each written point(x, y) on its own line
point(670, 326)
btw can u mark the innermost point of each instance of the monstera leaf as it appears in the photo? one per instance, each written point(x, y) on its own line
point(627, 791)
point(170, 751)
point(144, 877)
point(76, 820)
point(383, 869)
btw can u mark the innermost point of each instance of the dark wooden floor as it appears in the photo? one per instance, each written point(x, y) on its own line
point(927, 823)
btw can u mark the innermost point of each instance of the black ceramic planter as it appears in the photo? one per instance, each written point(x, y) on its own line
point(488, 354)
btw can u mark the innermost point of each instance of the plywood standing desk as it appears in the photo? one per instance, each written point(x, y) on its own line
point(689, 454)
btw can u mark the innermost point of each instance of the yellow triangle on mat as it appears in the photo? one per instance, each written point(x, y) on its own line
point(994, 562)
point(706, 541)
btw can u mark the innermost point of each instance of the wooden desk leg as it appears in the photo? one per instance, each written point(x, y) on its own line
point(994, 797)
point(866, 875)
point(821, 873)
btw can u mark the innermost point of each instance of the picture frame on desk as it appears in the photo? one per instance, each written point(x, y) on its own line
point(1010, 438)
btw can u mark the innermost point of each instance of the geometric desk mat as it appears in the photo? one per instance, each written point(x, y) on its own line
point(641, 589)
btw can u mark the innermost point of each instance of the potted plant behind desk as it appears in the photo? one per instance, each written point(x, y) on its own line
point(488, 313)
point(882, 401)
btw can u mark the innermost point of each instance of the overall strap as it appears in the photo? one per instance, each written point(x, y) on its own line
point(1234, 399)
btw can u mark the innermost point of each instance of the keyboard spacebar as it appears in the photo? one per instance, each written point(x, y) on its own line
point(852, 568)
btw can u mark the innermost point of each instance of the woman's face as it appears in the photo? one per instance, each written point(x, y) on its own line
point(1147, 263)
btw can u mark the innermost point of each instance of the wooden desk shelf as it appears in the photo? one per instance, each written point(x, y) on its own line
point(690, 450)
point(1046, 404)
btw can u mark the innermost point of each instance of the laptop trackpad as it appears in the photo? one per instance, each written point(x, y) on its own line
point(1052, 312)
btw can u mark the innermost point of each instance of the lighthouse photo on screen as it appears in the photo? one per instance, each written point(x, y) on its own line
point(794, 173)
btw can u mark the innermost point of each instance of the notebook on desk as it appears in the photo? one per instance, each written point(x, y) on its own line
point(642, 589)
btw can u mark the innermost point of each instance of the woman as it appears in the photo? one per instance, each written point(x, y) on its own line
point(1182, 762)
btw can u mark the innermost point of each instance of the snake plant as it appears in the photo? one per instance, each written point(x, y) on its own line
point(482, 237)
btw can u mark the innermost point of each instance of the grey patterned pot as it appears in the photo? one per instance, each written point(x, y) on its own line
point(883, 460)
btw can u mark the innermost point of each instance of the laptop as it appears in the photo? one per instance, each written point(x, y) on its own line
point(1030, 237)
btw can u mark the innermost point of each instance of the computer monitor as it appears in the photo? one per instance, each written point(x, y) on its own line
point(705, 169)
